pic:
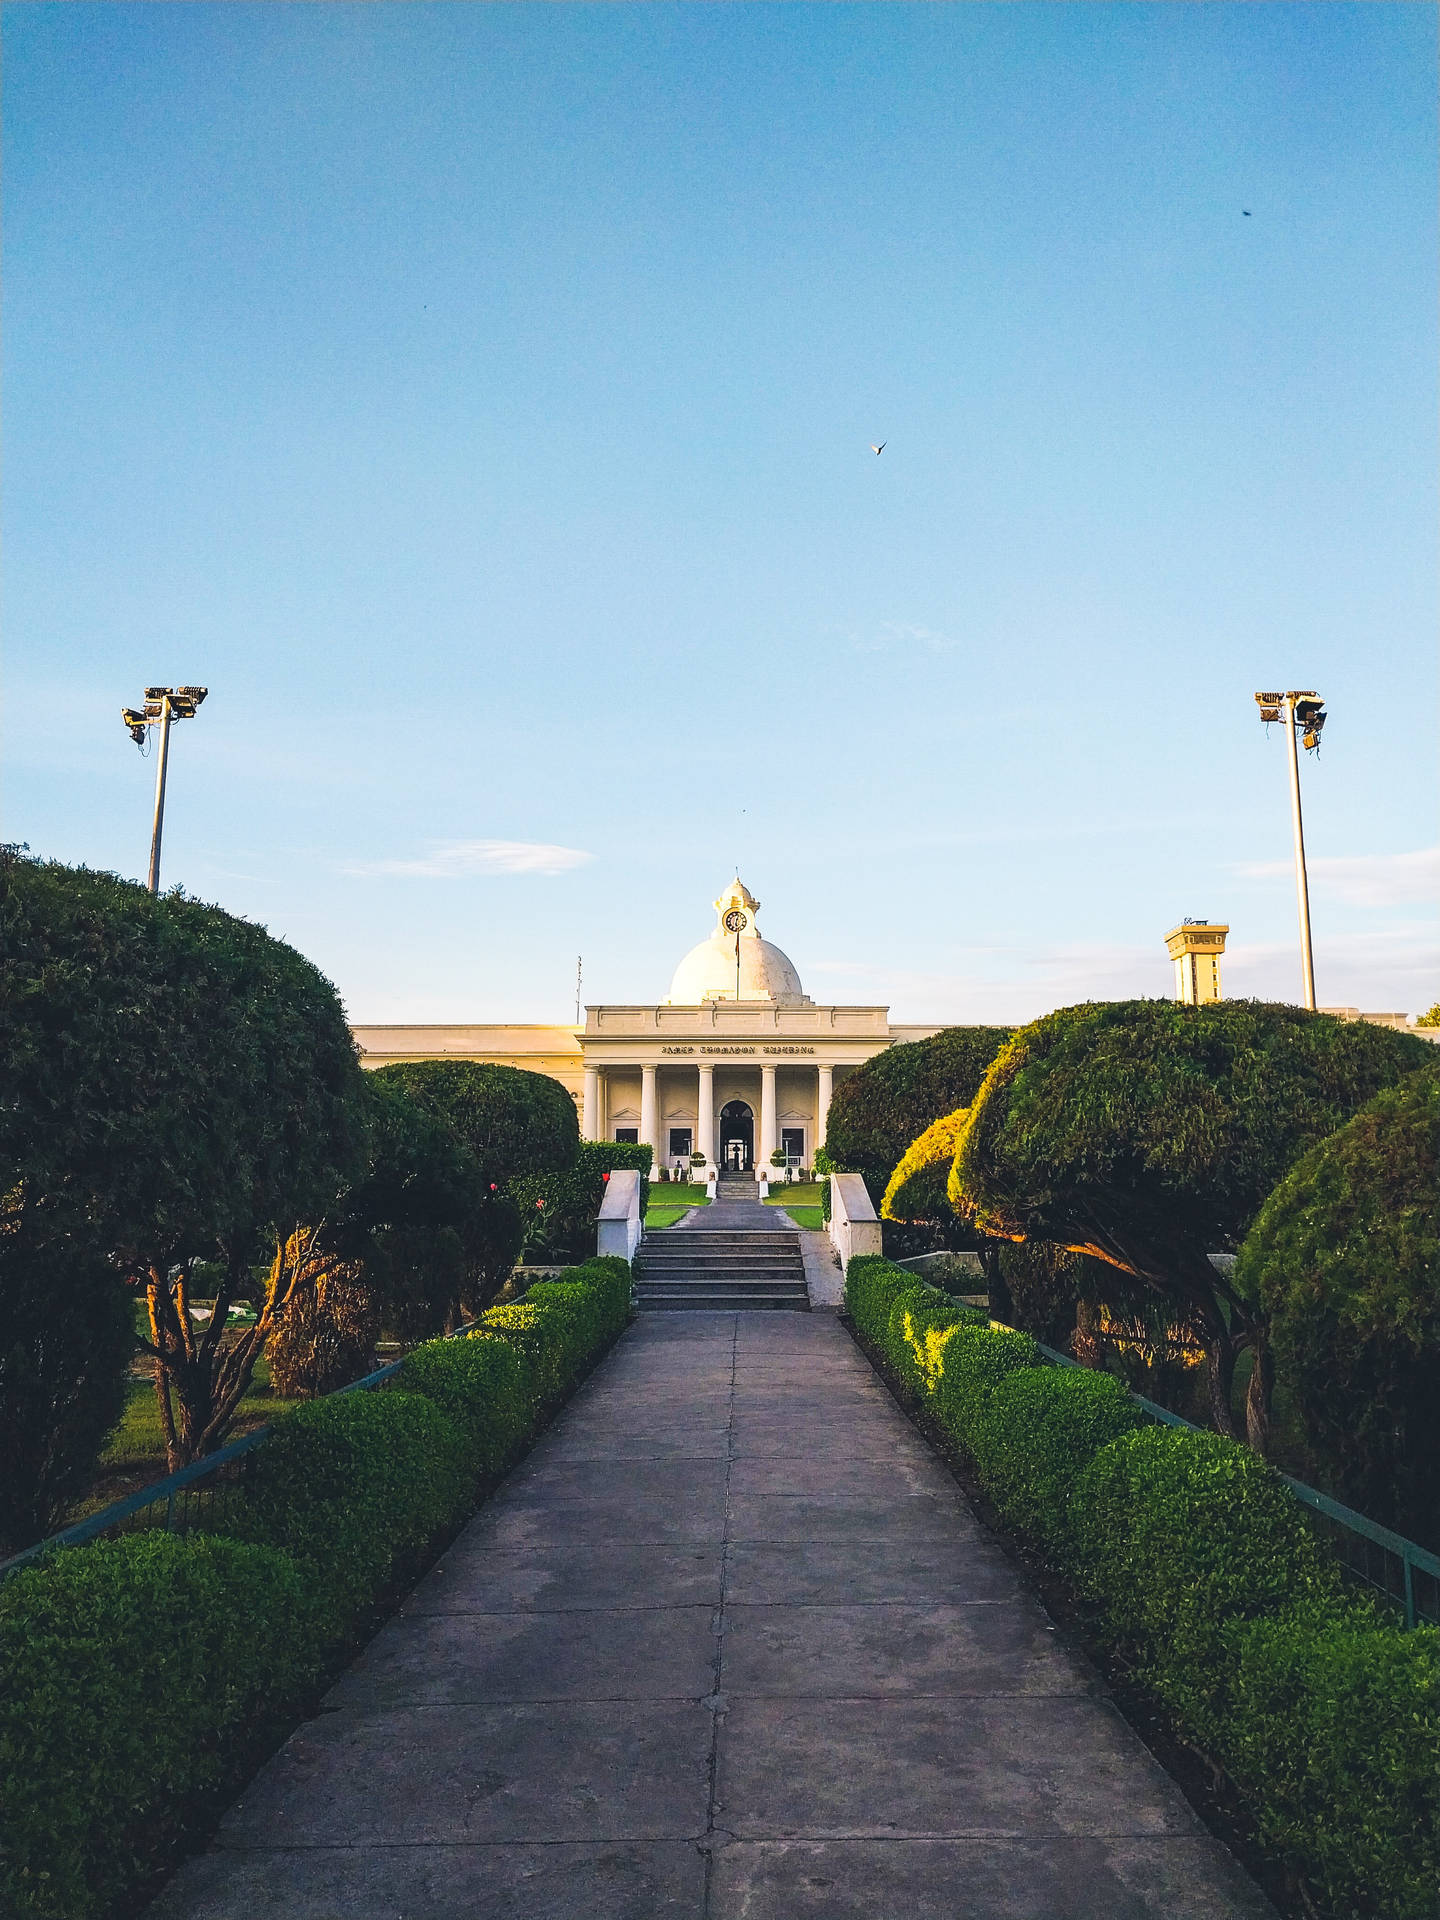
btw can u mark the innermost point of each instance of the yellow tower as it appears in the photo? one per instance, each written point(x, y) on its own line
point(1196, 946)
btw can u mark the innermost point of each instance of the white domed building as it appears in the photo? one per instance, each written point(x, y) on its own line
point(736, 1062)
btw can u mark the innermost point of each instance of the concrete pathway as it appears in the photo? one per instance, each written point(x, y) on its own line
point(729, 1645)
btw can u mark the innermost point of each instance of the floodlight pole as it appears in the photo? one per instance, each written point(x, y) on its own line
point(1302, 884)
point(154, 882)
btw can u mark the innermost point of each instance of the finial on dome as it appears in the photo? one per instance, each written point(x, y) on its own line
point(737, 900)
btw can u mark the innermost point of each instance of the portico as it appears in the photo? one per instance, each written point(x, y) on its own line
point(736, 1063)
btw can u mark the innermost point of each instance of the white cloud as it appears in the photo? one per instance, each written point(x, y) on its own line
point(1363, 880)
point(459, 859)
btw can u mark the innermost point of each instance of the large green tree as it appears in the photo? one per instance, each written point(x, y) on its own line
point(1345, 1257)
point(179, 1086)
point(405, 1219)
point(880, 1108)
point(513, 1124)
point(1148, 1134)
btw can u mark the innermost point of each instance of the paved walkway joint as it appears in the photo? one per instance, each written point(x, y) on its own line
point(728, 1643)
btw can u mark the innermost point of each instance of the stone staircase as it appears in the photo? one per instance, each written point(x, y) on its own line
point(720, 1271)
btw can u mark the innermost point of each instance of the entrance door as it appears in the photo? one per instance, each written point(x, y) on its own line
point(737, 1137)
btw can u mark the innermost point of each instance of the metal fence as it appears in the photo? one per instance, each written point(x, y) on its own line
point(1393, 1569)
point(199, 1497)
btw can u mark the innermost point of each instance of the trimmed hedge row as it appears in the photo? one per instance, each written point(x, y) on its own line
point(140, 1678)
point(1202, 1572)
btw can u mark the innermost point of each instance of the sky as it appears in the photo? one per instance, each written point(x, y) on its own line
point(479, 399)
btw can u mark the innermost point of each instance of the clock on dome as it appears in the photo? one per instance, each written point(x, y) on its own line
point(735, 921)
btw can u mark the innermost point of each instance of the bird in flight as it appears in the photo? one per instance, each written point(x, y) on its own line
point(1246, 212)
point(880, 449)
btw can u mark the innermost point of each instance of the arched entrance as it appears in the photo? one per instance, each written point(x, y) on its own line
point(737, 1138)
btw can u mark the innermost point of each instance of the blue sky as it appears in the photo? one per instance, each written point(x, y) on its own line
point(478, 400)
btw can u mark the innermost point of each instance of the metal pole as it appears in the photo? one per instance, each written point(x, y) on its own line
point(1302, 886)
point(160, 794)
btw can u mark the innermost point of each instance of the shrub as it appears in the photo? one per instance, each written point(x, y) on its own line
point(889, 1101)
point(559, 1327)
point(1149, 1134)
point(1346, 1258)
point(916, 1190)
point(480, 1385)
point(137, 1678)
point(975, 1363)
point(1334, 1737)
point(921, 1323)
point(515, 1125)
point(1044, 1425)
point(407, 1217)
point(176, 1080)
point(1178, 1534)
point(326, 1336)
point(871, 1287)
point(354, 1487)
point(67, 1332)
point(564, 1226)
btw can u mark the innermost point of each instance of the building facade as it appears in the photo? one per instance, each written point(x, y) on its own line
point(736, 1063)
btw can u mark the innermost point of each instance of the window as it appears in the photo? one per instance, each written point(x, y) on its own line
point(792, 1142)
point(630, 1134)
point(680, 1143)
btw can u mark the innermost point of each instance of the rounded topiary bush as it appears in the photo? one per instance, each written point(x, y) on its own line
point(354, 1487)
point(919, 1327)
point(1333, 1736)
point(872, 1285)
point(1346, 1257)
point(522, 1328)
point(1178, 1533)
point(480, 1384)
point(880, 1108)
point(1043, 1427)
point(975, 1363)
point(137, 1677)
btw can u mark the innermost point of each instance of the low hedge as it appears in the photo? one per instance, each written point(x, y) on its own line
point(1043, 1427)
point(139, 1677)
point(1201, 1571)
point(1177, 1535)
point(481, 1385)
point(143, 1677)
point(1333, 1738)
point(557, 1329)
point(355, 1487)
point(921, 1326)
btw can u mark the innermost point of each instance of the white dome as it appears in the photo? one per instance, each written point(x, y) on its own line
point(708, 971)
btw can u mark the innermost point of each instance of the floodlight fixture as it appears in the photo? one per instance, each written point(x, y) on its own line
point(1302, 710)
point(162, 705)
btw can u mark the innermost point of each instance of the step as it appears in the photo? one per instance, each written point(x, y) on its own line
point(673, 1250)
point(722, 1300)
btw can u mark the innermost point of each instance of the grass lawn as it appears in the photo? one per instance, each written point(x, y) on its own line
point(801, 1193)
point(664, 1216)
point(671, 1200)
point(801, 1200)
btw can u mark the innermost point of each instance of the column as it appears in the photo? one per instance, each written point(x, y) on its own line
point(590, 1126)
point(648, 1126)
point(823, 1077)
point(705, 1139)
point(768, 1141)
